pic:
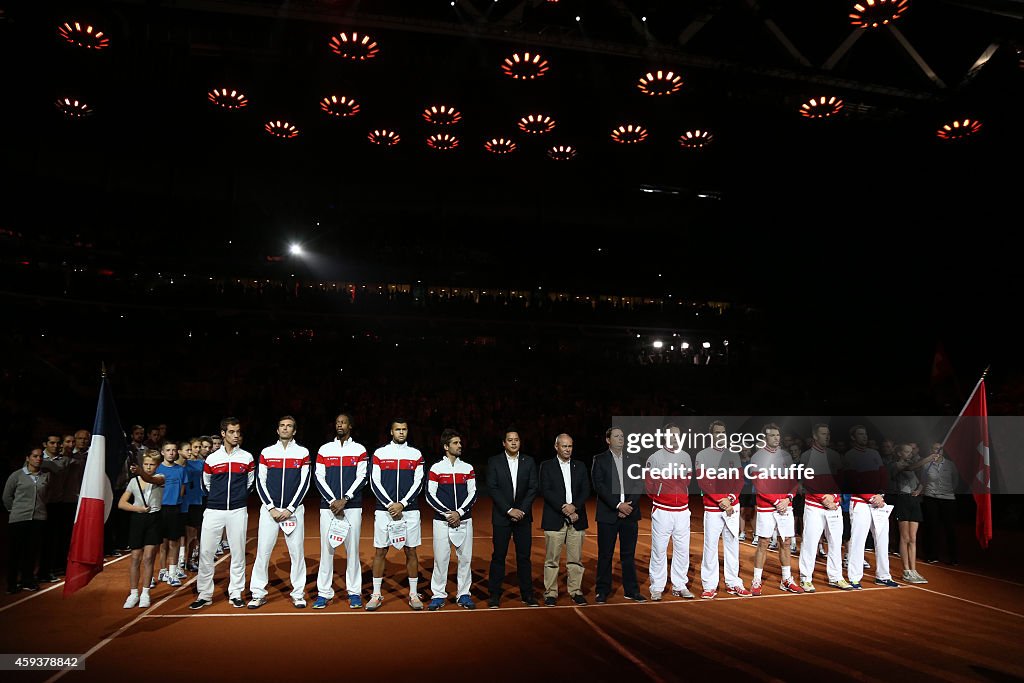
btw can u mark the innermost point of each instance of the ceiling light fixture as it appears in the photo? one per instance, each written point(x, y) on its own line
point(383, 136)
point(695, 139)
point(820, 108)
point(526, 66)
point(629, 134)
point(500, 146)
point(83, 35)
point(442, 115)
point(562, 153)
point(340, 106)
point(281, 129)
point(536, 124)
point(959, 129)
point(656, 83)
point(875, 13)
point(353, 46)
point(73, 109)
point(228, 99)
point(443, 141)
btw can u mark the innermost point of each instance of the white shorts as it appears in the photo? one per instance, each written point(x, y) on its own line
point(767, 522)
point(381, 520)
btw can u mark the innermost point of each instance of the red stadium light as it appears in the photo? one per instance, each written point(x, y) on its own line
point(382, 136)
point(339, 105)
point(281, 129)
point(875, 13)
point(500, 146)
point(562, 153)
point(658, 83)
point(820, 108)
point(229, 99)
point(536, 124)
point(442, 141)
point(354, 46)
point(959, 129)
point(526, 66)
point(83, 35)
point(695, 139)
point(629, 134)
point(73, 109)
point(442, 115)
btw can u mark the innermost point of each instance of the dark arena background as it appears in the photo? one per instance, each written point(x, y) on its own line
point(686, 207)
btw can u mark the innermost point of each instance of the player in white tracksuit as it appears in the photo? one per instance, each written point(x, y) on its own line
point(667, 481)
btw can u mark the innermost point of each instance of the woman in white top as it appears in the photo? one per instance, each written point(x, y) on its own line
point(145, 531)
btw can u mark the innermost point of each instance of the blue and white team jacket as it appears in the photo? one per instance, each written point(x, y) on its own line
point(341, 470)
point(282, 477)
point(397, 475)
point(451, 488)
point(228, 478)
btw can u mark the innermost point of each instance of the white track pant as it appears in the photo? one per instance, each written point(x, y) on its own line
point(665, 526)
point(232, 523)
point(442, 555)
point(861, 521)
point(353, 567)
point(268, 532)
point(715, 528)
point(818, 521)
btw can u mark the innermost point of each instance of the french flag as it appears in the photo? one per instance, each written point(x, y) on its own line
point(106, 458)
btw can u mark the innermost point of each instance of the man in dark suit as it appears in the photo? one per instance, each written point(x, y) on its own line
point(618, 514)
point(512, 483)
point(565, 486)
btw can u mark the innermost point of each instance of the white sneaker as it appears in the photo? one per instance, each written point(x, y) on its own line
point(132, 601)
point(655, 596)
point(162, 577)
point(866, 565)
point(754, 541)
point(773, 546)
point(742, 536)
point(144, 600)
point(792, 547)
point(181, 574)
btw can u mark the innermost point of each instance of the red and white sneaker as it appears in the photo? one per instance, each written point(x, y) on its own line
point(709, 595)
point(755, 588)
point(790, 585)
point(738, 590)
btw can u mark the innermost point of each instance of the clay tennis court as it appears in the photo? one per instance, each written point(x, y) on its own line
point(965, 625)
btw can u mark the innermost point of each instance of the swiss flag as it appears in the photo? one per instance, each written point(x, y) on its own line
point(967, 445)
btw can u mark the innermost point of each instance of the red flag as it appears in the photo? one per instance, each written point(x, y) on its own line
point(85, 558)
point(967, 445)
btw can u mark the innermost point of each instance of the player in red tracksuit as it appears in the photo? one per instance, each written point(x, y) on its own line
point(863, 470)
point(667, 480)
point(774, 507)
point(721, 513)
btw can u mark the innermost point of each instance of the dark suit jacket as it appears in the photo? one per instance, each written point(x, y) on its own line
point(499, 485)
point(606, 485)
point(552, 488)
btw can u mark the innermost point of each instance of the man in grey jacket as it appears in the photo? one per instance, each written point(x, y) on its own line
point(25, 497)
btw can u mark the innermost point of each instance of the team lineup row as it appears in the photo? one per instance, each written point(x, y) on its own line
point(395, 474)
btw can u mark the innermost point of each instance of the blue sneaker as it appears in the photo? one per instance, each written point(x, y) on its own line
point(354, 601)
point(465, 602)
point(856, 586)
point(174, 582)
point(436, 604)
point(887, 582)
point(320, 602)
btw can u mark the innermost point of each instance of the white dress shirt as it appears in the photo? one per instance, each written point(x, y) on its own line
point(565, 466)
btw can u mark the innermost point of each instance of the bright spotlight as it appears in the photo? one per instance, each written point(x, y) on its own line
point(706, 345)
point(658, 344)
point(684, 345)
point(295, 249)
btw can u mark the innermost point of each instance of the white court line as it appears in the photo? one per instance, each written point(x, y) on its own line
point(136, 620)
point(651, 673)
point(36, 594)
point(454, 610)
point(979, 604)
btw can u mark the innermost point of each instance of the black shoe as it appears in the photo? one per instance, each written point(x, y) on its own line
point(932, 561)
point(30, 587)
point(200, 603)
point(579, 599)
point(51, 578)
point(635, 597)
point(531, 601)
point(492, 602)
point(601, 598)
point(237, 602)
point(550, 602)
